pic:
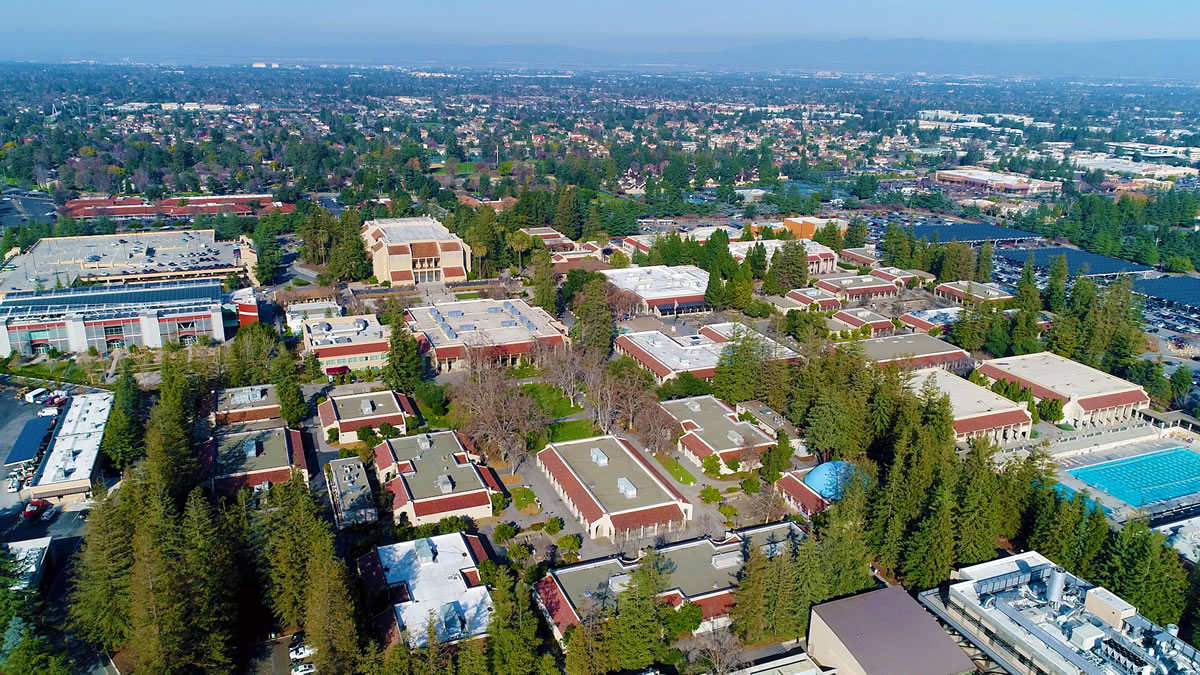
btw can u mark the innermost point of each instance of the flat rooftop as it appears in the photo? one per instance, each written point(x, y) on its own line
point(116, 300)
point(317, 309)
point(341, 330)
point(242, 398)
point(863, 314)
point(422, 228)
point(968, 399)
point(351, 487)
point(250, 451)
point(983, 291)
point(483, 322)
point(432, 456)
point(76, 445)
point(848, 283)
point(58, 260)
point(813, 293)
point(716, 428)
point(1061, 375)
point(369, 404)
point(600, 462)
point(699, 352)
point(696, 567)
point(905, 346)
point(660, 281)
point(432, 571)
point(939, 317)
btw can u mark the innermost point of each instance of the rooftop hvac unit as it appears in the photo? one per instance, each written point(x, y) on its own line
point(735, 437)
point(326, 326)
point(509, 306)
point(726, 560)
point(250, 447)
point(367, 406)
point(508, 324)
point(445, 328)
point(444, 484)
point(360, 324)
point(693, 405)
point(425, 441)
point(599, 458)
point(426, 552)
point(454, 312)
point(495, 310)
point(618, 582)
point(464, 327)
point(452, 335)
point(627, 488)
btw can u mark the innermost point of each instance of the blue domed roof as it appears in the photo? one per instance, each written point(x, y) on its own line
point(827, 479)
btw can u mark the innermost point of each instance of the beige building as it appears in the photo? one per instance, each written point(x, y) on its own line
point(410, 251)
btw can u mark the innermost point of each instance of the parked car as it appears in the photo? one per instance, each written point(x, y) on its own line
point(48, 514)
point(14, 484)
point(48, 412)
point(299, 652)
point(34, 508)
point(304, 669)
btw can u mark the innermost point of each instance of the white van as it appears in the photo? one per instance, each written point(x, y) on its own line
point(48, 412)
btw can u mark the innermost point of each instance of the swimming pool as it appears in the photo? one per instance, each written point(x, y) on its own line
point(1146, 479)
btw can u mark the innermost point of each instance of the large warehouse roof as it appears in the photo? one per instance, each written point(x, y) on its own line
point(658, 282)
point(1052, 375)
point(971, 232)
point(1097, 265)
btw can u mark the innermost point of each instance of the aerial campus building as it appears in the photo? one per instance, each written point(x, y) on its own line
point(712, 428)
point(974, 292)
point(916, 350)
point(1090, 397)
point(612, 490)
point(821, 298)
point(254, 455)
point(668, 357)
point(663, 290)
point(350, 493)
point(1030, 616)
point(176, 255)
point(978, 411)
point(433, 579)
point(346, 343)
point(433, 476)
point(701, 571)
point(110, 317)
point(410, 251)
point(347, 413)
point(858, 287)
point(991, 181)
point(70, 462)
point(821, 258)
point(860, 319)
point(506, 330)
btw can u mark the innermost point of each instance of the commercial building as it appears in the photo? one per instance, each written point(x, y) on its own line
point(1090, 397)
point(255, 456)
point(806, 227)
point(246, 404)
point(668, 357)
point(432, 476)
point(507, 330)
point(663, 290)
point(433, 578)
point(991, 181)
point(821, 258)
point(409, 251)
point(70, 462)
point(612, 490)
point(346, 343)
point(865, 256)
point(882, 632)
point(30, 558)
point(1031, 616)
point(298, 312)
point(823, 299)
point(978, 411)
point(971, 291)
point(896, 275)
point(701, 571)
point(712, 428)
point(553, 240)
point(853, 287)
point(859, 319)
point(347, 413)
point(918, 350)
point(126, 257)
point(122, 209)
point(925, 320)
point(110, 317)
point(350, 493)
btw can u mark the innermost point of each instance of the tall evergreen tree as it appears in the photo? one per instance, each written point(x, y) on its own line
point(813, 574)
point(211, 578)
point(289, 527)
point(856, 233)
point(512, 628)
point(975, 518)
point(983, 263)
point(545, 289)
point(635, 633)
point(716, 294)
point(99, 608)
point(404, 367)
point(159, 618)
point(594, 327)
point(748, 613)
point(929, 554)
point(739, 367)
point(844, 539)
point(329, 609)
point(1056, 286)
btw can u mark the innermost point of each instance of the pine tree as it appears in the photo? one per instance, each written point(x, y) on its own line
point(983, 263)
point(785, 618)
point(739, 367)
point(545, 289)
point(741, 287)
point(594, 327)
point(976, 515)
point(288, 530)
point(99, 608)
point(329, 609)
point(770, 284)
point(404, 367)
point(1056, 286)
point(587, 651)
point(211, 582)
point(635, 638)
point(856, 233)
point(159, 618)
point(929, 554)
point(748, 614)
point(716, 295)
point(512, 629)
point(844, 539)
point(813, 573)
point(472, 658)
point(566, 215)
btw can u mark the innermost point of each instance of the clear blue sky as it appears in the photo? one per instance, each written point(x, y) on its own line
point(612, 23)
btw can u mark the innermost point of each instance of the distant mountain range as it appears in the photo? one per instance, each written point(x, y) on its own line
point(1175, 59)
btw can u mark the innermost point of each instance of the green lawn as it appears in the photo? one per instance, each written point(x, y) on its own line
point(434, 421)
point(561, 432)
point(467, 296)
point(524, 498)
point(523, 371)
point(550, 399)
point(676, 470)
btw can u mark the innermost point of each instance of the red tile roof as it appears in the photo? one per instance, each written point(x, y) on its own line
point(642, 356)
point(488, 474)
point(575, 491)
point(1131, 397)
point(424, 249)
point(399, 492)
point(555, 602)
point(451, 504)
point(350, 350)
point(694, 443)
point(402, 275)
point(478, 549)
point(632, 520)
point(799, 493)
point(326, 414)
point(1007, 418)
point(715, 605)
point(454, 272)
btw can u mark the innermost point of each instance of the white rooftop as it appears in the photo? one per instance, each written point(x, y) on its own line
point(968, 399)
point(401, 230)
point(1062, 375)
point(660, 281)
point(344, 330)
point(490, 322)
point(76, 445)
point(697, 352)
point(857, 281)
point(29, 555)
point(739, 249)
point(435, 584)
point(979, 289)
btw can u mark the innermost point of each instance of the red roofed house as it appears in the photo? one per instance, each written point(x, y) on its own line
point(978, 411)
point(854, 319)
point(850, 288)
point(348, 413)
point(256, 456)
point(799, 496)
point(823, 299)
point(432, 476)
point(712, 428)
point(612, 489)
point(409, 251)
point(1090, 397)
point(701, 571)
